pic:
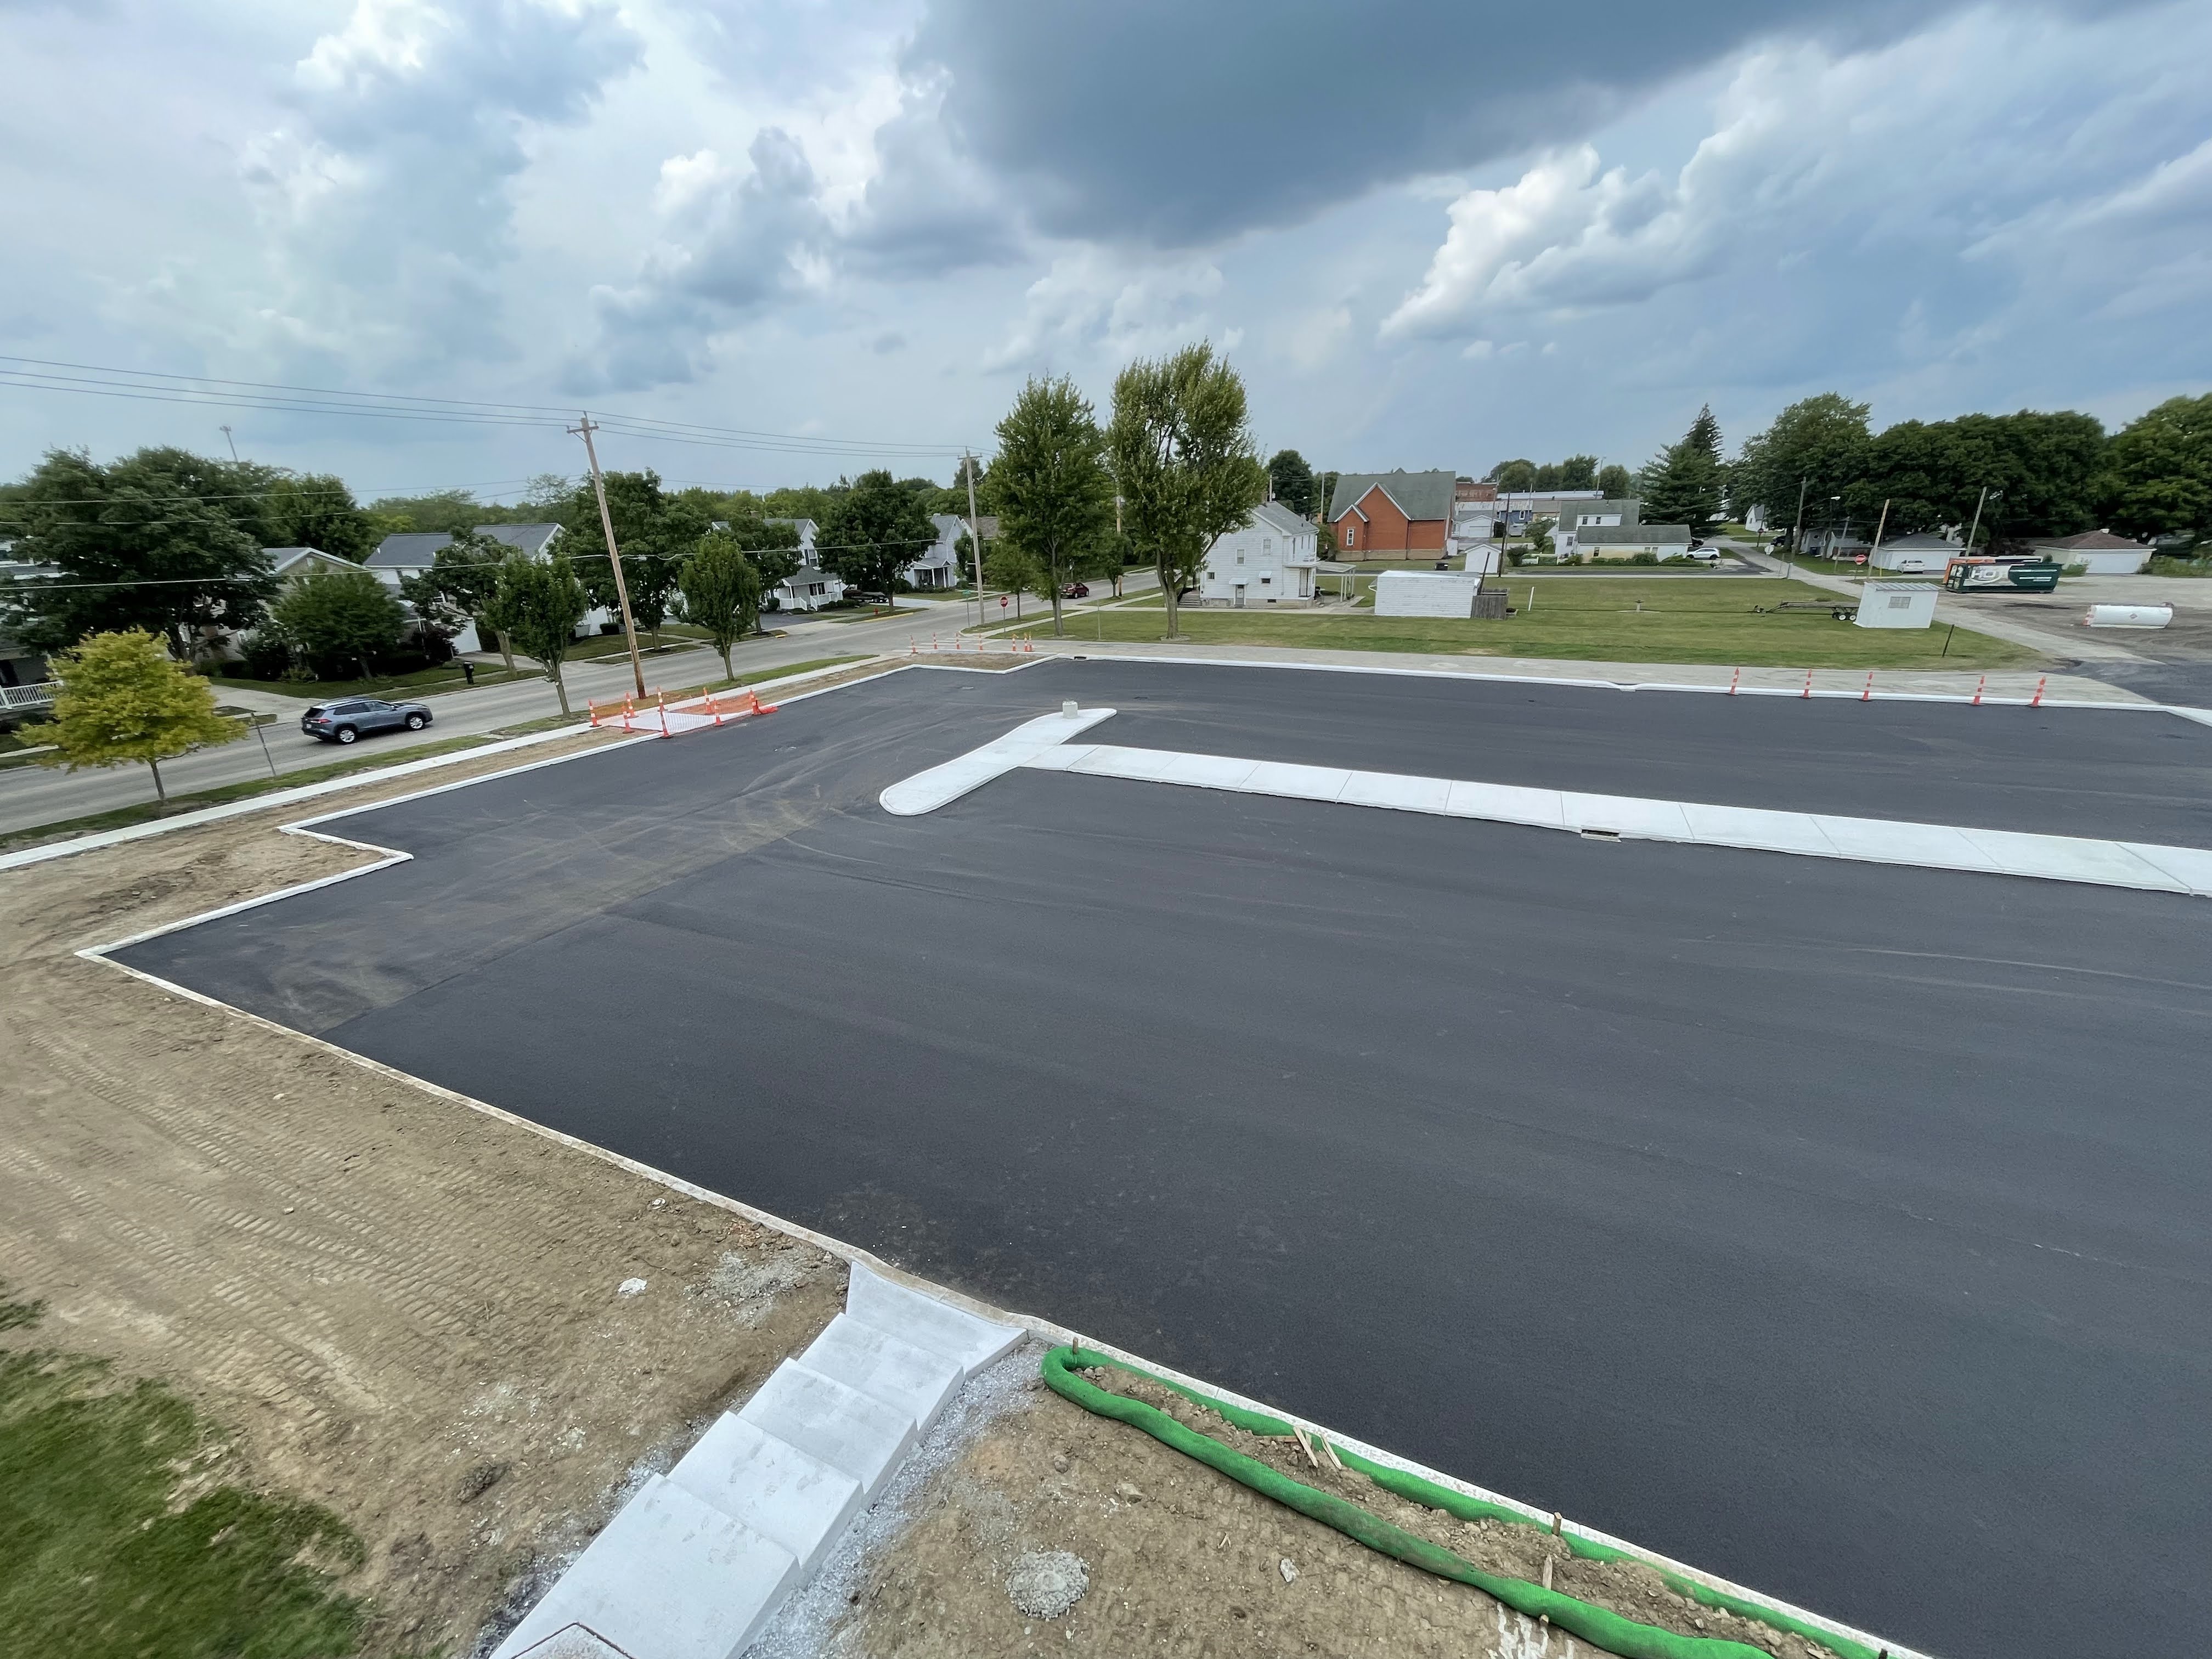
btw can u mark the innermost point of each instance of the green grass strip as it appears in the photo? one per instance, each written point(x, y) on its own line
point(110, 1556)
point(1608, 1630)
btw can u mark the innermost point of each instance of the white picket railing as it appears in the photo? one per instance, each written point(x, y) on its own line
point(26, 696)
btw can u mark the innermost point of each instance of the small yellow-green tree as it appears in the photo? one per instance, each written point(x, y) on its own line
point(122, 699)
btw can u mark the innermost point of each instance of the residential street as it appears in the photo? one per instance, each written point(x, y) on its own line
point(32, 795)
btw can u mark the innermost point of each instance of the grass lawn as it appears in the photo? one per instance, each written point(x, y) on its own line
point(1680, 621)
point(674, 636)
point(111, 1551)
point(424, 682)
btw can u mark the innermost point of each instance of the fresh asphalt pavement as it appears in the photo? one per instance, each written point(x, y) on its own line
point(34, 795)
point(1839, 1228)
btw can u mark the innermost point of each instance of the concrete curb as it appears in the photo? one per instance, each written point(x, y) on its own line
point(276, 797)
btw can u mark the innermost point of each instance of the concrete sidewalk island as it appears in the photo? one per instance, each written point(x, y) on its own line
point(1814, 1187)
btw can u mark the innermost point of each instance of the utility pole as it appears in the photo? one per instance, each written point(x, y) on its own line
point(231, 442)
point(1874, 552)
point(614, 554)
point(1968, 552)
point(975, 535)
point(1789, 565)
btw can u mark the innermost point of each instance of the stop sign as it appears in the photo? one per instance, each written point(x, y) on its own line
point(1002, 602)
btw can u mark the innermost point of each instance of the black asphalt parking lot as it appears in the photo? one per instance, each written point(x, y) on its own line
point(1840, 1229)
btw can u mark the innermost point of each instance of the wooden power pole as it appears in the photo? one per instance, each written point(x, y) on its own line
point(975, 535)
point(614, 554)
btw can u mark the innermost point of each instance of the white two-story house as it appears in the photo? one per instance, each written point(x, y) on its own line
point(1270, 561)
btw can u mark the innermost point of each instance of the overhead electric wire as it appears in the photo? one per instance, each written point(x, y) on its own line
point(38, 373)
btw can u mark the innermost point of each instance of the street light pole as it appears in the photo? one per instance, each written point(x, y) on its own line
point(613, 553)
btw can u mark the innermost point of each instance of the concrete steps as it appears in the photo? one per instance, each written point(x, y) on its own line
point(697, 1562)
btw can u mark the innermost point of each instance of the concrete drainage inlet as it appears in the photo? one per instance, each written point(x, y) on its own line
point(1045, 1583)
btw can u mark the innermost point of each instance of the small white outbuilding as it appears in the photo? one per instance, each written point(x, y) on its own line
point(1897, 605)
point(1426, 593)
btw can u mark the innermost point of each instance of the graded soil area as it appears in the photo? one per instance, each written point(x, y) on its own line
point(399, 1307)
point(1178, 1561)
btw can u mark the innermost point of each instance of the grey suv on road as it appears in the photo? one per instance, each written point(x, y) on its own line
point(356, 717)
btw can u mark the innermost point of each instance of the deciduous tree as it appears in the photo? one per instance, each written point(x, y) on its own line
point(150, 542)
point(458, 586)
point(338, 617)
point(539, 603)
point(2161, 480)
point(1181, 444)
point(874, 531)
point(1049, 486)
point(721, 591)
point(1292, 481)
point(124, 699)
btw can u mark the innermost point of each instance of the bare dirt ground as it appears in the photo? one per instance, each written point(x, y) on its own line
point(402, 1308)
point(1180, 1561)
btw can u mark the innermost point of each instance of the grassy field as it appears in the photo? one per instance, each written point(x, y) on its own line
point(1680, 620)
point(115, 1548)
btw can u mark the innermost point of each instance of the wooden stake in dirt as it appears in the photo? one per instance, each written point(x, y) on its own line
point(1334, 1461)
point(1548, 1572)
point(1555, 1523)
point(1304, 1444)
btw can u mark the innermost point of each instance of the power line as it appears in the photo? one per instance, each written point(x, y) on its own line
point(153, 385)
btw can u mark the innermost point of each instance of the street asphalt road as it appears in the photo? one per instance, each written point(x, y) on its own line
point(1839, 1228)
point(34, 795)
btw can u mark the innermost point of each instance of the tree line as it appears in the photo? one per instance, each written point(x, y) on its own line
point(2028, 474)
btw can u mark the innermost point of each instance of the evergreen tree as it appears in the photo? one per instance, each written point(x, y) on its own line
point(1684, 482)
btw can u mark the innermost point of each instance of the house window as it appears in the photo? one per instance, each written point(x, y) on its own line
point(818, 587)
point(1240, 555)
point(1266, 582)
point(1350, 536)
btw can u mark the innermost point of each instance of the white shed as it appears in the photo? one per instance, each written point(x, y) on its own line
point(1425, 593)
point(1897, 605)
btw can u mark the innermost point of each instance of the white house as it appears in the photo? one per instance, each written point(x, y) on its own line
point(807, 588)
point(1577, 517)
point(412, 554)
point(1924, 552)
point(290, 563)
point(806, 529)
point(940, 567)
point(2101, 553)
point(1668, 540)
point(1270, 561)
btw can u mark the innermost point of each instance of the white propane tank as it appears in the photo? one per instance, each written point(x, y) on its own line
point(2129, 616)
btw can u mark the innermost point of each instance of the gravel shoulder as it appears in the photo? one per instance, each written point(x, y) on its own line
point(401, 1307)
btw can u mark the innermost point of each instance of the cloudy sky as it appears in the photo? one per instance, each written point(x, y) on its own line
point(1430, 233)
